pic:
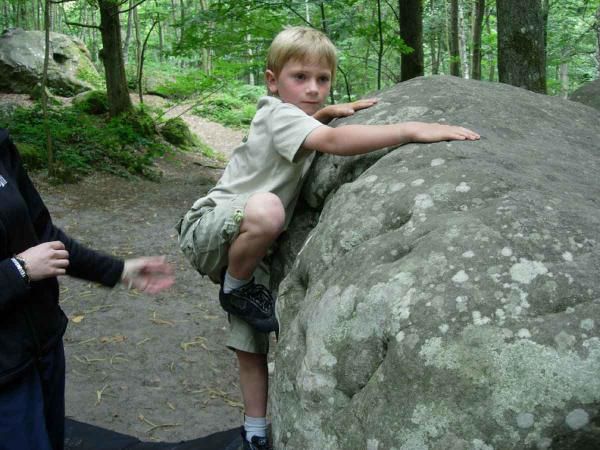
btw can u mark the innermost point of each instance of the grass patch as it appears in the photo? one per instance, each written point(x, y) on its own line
point(235, 108)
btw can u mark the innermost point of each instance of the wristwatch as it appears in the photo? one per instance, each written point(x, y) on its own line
point(21, 267)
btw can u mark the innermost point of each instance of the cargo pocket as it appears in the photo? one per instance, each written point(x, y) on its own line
point(231, 227)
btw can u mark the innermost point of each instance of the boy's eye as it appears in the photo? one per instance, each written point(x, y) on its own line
point(299, 76)
point(324, 79)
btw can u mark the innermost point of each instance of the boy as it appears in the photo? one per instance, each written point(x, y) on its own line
point(227, 233)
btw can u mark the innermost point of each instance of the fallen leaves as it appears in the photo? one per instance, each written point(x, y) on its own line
point(155, 426)
point(198, 340)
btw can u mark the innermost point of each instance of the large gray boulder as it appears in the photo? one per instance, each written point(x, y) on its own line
point(448, 296)
point(588, 94)
point(22, 63)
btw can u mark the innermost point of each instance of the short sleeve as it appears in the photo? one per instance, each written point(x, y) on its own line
point(289, 128)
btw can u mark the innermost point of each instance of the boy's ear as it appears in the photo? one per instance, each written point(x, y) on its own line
point(271, 80)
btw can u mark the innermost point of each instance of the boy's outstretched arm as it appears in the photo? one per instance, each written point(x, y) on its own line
point(328, 113)
point(359, 139)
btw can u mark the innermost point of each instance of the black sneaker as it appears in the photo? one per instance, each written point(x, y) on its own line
point(256, 443)
point(253, 303)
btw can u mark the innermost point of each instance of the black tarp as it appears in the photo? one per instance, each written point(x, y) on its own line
point(83, 436)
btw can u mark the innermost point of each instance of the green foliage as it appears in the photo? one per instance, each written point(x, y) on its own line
point(184, 85)
point(92, 102)
point(235, 108)
point(176, 132)
point(82, 143)
point(92, 77)
point(33, 156)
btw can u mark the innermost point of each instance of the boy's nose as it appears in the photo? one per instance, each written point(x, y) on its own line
point(311, 86)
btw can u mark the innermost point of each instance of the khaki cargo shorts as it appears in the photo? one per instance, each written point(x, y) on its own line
point(205, 234)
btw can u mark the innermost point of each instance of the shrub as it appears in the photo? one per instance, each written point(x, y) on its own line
point(176, 132)
point(92, 102)
point(236, 108)
point(125, 145)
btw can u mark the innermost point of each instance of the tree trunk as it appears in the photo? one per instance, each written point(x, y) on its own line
point(251, 80)
point(138, 42)
point(598, 38)
point(453, 39)
point(206, 51)
point(411, 32)
point(325, 30)
point(161, 43)
point(40, 12)
point(141, 62)
point(435, 38)
point(491, 61)
point(563, 73)
point(36, 24)
point(93, 46)
point(128, 34)
point(479, 9)
point(380, 48)
point(521, 52)
point(49, 150)
point(112, 58)
point(462, 42)
point(182, 25)
point(5, 15)
point(174, 19)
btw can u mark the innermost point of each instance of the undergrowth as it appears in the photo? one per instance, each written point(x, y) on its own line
point(83, 143)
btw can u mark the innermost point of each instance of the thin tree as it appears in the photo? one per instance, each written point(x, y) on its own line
point(453, 39)
point(521, 44)
point(49, 149)
point(478, 13)
point(141, 60)
point(411, 32)
point(597, 25)
point(491, 60)
point(463, 39)
point(128, 33)
point(380, 47)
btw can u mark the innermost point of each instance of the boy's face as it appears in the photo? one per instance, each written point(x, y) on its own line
point(301, 83)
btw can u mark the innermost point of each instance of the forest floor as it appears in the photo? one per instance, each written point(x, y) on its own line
point(153, 367)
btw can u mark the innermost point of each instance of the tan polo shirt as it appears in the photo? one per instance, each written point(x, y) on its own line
point(269, 159)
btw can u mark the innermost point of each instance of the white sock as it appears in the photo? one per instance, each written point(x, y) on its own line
point(230, 283)
point(255, 426)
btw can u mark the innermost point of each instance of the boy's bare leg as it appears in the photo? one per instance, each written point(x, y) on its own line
point(254, 382)
point(264, 217)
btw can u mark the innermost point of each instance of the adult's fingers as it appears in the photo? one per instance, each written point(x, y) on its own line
point(56, 245)
point(61, 254)
point(60, 263)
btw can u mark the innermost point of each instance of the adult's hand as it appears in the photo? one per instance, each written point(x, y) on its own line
point(46, 260)
point(148, 274)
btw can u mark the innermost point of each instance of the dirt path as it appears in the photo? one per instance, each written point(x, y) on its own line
point(152, 367)
point(218, 137)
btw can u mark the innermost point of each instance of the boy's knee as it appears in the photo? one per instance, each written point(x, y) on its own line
point(266, 212)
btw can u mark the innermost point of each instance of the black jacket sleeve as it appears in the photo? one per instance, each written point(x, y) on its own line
point(12, 284)
point(83, 262)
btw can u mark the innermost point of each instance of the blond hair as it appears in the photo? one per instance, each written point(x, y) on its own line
point(302, 44)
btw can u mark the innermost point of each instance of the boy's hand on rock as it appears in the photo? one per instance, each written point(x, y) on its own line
point(328, 113)
point(148, 274)
point(435, 132)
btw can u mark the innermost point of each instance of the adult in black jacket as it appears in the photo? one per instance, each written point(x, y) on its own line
point(33, 253)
